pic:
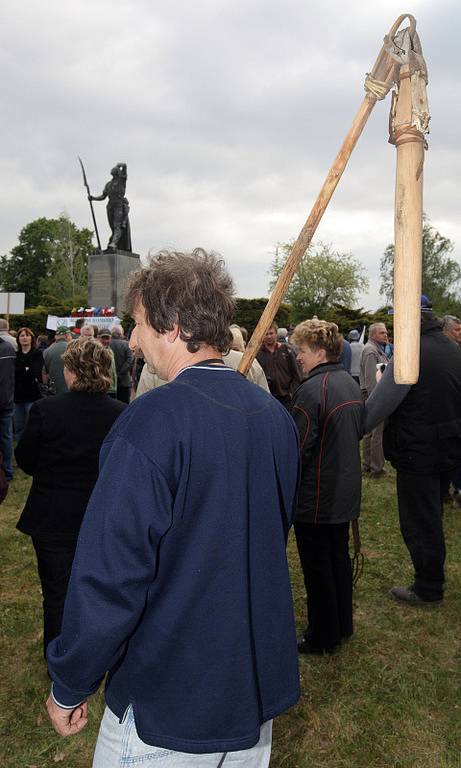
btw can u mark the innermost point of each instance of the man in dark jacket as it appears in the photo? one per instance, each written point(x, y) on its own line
point(278, 362)
point(180, 585)
point(373, 354)
point(123, 363)
point(52, 357)
point(422, 440)
point(328, 411)
point(7, 365)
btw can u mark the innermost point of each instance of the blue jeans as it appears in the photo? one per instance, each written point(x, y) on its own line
point(21, 414)
point(6, 440)
point(119, 745)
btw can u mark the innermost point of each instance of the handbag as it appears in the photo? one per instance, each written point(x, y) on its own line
point(47, 389)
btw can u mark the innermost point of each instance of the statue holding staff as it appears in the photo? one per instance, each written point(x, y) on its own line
point(117, 208)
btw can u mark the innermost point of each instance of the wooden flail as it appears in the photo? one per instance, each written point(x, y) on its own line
point(408, 124)
point(400, 53)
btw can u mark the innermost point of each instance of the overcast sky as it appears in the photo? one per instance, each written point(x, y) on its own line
point(228, 113)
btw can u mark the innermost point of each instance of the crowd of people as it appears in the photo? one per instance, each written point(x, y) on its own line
point(160, 527)
point(33, 367)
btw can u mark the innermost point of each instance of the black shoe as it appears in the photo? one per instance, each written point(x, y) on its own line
point(379, 473)
point(305, 647)
point(408, 595)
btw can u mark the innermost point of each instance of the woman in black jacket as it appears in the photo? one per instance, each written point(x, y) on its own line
point(60, 449)
point(28, 374)
point(328, 412)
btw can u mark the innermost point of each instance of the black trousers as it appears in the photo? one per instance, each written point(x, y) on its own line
point(54, 560)
point(326, 564)
point(420, 499)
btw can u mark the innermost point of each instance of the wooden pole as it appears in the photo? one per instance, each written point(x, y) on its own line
point(410, 143)
point(377, 85)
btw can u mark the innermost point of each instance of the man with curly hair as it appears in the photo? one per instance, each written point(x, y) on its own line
point(180, 587)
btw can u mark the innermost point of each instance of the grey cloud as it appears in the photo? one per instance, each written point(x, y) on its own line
point(228, 114)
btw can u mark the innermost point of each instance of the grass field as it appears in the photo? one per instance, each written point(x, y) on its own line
point(390, 697)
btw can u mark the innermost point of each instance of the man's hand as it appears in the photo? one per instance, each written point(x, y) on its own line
point(67, 721)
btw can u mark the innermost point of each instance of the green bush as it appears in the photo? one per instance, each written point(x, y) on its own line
point(250, 310)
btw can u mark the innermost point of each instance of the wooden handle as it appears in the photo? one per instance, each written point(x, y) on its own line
point(408, 226)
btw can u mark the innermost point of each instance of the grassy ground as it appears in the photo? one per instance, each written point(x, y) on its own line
point(390, 697)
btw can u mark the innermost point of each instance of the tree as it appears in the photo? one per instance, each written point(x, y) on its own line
point(248, 312)
point(325, 279)
point(49, 263)
point(69, 276)
point(441, 274)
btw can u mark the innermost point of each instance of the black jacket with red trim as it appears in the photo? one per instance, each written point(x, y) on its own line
point(328, 411)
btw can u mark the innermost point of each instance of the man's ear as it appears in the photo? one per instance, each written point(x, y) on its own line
point(172, 335)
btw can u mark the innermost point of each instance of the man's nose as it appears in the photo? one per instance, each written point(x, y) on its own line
point(134, 339)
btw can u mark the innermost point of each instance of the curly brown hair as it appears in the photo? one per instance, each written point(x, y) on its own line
point(319, 334)
point(191, 289)
point(91, 363)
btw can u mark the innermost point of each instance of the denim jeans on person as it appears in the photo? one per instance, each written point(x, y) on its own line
point(21, 414)
point(119, 745)
point(6, 440)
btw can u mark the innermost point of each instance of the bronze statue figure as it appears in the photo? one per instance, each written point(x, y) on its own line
point(117, 208)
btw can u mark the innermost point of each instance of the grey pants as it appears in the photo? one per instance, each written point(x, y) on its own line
point(373, 456)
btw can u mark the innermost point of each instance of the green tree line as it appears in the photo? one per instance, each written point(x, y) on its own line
point(50, 265)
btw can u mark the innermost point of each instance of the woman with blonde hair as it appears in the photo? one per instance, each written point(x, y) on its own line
point(60, 449)
point(328, 412)
point(238, 343)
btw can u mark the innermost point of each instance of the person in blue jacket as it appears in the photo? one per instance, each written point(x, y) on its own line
point(180, 587)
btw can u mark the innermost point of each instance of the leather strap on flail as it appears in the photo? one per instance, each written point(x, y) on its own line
point(358, 560)
point(416, 117)
point(385, 73)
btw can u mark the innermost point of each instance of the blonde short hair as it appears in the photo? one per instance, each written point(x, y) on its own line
point(237, 338)
point(91, 363)
point(319, 334)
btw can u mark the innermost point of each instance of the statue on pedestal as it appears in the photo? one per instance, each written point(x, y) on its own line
point(117, 209)
point(108, 270)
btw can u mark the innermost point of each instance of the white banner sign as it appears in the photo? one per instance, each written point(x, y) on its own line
point(12, 303)
point(102, 322)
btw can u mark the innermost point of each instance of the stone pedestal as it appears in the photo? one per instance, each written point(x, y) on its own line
point(107, 275)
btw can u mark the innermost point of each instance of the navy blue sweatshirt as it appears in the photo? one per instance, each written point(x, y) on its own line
point(180, 584)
